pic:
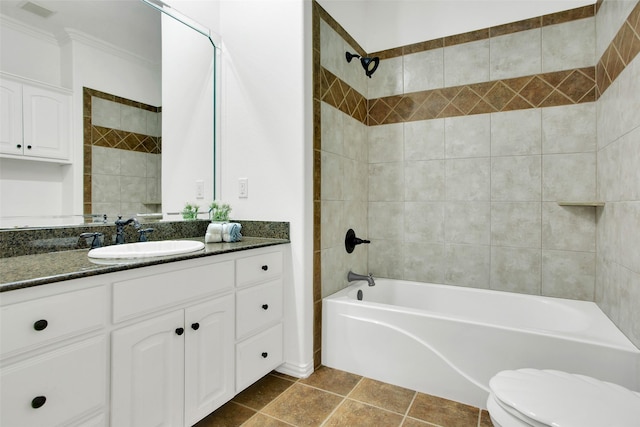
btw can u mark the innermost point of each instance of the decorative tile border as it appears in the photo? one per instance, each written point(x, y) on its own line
point(540, 90)
point(622, 50)
point(111, 138)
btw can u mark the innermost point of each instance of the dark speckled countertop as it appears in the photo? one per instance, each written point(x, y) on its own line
point(33, 270)
point(21, 268)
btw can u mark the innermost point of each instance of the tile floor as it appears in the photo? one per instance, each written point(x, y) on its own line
point(330, 397)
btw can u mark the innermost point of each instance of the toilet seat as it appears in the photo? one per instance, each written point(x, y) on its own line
point(531, 397)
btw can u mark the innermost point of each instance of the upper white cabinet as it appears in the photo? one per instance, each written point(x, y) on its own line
point(36, 121)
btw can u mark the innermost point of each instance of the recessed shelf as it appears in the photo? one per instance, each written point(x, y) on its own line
point(586, 203)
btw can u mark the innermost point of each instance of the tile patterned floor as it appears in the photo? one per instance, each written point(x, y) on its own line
point(332, 398)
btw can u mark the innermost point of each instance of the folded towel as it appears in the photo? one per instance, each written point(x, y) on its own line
point(214, 233)
point(231, 232)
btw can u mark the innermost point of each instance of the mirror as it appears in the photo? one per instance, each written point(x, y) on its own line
point(111, 55)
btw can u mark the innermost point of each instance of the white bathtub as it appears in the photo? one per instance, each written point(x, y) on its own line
point(449, 341)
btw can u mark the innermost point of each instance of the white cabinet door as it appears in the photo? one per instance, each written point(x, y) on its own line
point(209, 357)
point(147, 373)
point(46, 123)
point(10, 117)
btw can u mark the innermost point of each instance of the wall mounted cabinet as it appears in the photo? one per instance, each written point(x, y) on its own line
point(35, 121)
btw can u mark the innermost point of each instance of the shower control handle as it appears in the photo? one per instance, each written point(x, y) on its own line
point(351, 241)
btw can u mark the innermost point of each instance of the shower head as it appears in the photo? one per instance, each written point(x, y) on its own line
point(370, 64)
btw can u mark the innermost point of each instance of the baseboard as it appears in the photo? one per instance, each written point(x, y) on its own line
point(297, 371)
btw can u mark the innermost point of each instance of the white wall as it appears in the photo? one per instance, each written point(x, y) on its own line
point(266, 137)
point(386, 24)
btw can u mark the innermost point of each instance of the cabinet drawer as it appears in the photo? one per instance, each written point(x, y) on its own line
point(149, 293)
point(56, 387)
point(29, 324)
point(258, 306)
point(257, 268)
point(257, 356)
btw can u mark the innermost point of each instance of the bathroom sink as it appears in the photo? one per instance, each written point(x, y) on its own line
point(146, 249)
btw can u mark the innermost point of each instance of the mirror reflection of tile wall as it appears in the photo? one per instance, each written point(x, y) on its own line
point(122, 156)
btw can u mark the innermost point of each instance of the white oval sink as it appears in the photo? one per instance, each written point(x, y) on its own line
point(146, 249)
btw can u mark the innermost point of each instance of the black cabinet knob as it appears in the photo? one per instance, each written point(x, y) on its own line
point(28, 147)
point(38, 401)
point(265, 306)
point(180, 331)
point(265, 267)
point(265, 354)
point(195, 326)
point(19, 146)
point(40, 325)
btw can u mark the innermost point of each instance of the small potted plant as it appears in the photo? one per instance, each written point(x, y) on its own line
point(219, 212)
point(190, 212)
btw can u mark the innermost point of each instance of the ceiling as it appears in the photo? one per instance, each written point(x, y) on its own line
point(384, 24)
point(127, 24)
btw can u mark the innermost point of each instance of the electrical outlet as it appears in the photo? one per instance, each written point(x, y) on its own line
point(243, 188)
point(199, 189)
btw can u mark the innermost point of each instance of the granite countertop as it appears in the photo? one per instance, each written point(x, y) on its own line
point(34, 270)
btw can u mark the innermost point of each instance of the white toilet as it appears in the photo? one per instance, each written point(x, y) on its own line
point(543, 398)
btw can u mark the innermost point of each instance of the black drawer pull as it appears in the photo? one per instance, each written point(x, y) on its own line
point(265, 354)
point(40, 325)
point(265, 306)
point(180, 331)
point(195, 326)
point(38, 401)
point(265, 267)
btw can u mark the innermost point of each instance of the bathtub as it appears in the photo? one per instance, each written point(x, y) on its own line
point(448, 341)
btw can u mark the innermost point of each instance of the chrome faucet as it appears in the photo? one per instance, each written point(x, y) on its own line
point(120, 224)
point(353, 276)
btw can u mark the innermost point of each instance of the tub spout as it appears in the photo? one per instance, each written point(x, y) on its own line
point(353, 277)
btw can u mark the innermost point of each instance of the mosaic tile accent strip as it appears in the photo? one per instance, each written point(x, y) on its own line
point(340, 95)
point(622, 50)
point(114, 138)
point(536, 91)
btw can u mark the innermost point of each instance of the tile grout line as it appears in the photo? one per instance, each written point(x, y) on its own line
point(344, 398)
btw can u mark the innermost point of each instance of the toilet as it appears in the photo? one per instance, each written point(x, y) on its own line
point(544, 398)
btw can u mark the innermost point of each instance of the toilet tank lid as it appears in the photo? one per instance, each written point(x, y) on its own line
point(560, 399)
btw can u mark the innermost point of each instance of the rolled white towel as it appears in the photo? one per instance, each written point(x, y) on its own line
point(214, 233)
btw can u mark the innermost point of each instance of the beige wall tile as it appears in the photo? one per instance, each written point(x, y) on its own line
point(355, 185)
point(424, 181)
point(516, 133)
point(423, 70)
point(569, 176)
point(386, 182)
point(355, 140)
point(467, 136)
point(516, 178)
point(386, 258)
point(386, 220)
point(424, 262)
point(569, 129)
point(387, 80)
point(516, 54)
point(105, 113)
point(630, 235)
point(568, 274)
point(332, 129)
point(133, 119)
point(571, 228)
point(468, 222)
point(386, 143)
point(333, 224)
point(332, 51)
point(105, 161)
point(467, 265)
point(332, 176)
point(466, 63)
point(133, 163)
point(516, 224)
point(424, 222)
point(560, 52)
point(424, 140)
point(334, 270)
point(516, 269)
point(467, 179)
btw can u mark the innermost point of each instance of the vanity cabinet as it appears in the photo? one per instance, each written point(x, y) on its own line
point(35, 121)
point(169, 343)
point(53, 361)
point(259, 314)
